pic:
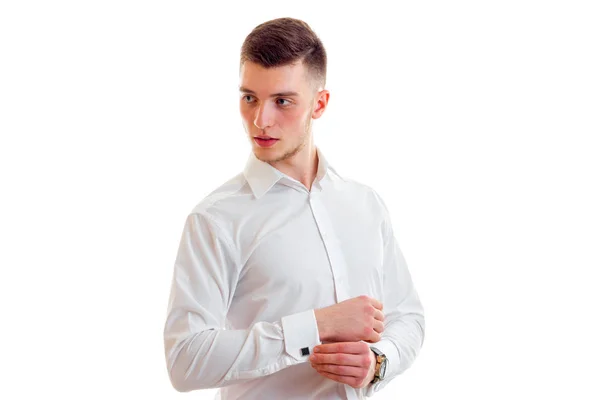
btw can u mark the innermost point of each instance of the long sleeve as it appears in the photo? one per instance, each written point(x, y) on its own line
point(404, 326)
point(201, 352)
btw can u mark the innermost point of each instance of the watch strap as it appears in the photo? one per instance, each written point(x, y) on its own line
point(380, 359)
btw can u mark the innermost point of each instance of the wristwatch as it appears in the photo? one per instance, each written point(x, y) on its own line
point(381, 365)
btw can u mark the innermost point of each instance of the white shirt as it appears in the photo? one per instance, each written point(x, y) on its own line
point(257, 256)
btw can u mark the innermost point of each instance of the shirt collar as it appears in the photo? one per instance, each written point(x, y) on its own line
point(262, 176)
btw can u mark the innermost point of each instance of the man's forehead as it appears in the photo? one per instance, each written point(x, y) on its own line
point(288, 79)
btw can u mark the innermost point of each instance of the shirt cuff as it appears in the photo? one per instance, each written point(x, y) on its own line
point(390, 350)
point(300, 334)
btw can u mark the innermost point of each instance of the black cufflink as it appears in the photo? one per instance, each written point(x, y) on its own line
point(305, 351)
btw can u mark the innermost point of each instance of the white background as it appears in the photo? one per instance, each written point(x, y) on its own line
point(477, 121)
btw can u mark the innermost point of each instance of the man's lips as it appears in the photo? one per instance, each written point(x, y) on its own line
point(265, 141)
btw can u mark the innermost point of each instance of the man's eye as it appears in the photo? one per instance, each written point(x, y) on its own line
point(283, 102)
point(247, 98)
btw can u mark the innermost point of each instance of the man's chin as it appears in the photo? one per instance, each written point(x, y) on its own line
point(270, 157)
point(264, 154)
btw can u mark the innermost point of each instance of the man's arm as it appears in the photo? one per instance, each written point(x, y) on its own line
point(353, 363)
point(404, 330)
point(200, 352)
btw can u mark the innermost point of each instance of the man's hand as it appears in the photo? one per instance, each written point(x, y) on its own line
point(352, 363)
point(353, 320)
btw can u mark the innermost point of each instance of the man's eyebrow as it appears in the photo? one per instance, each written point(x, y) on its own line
point(281, 94)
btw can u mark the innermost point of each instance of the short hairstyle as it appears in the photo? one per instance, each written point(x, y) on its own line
point(284, 41)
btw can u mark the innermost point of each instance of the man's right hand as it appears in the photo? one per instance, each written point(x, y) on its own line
point(353, 320)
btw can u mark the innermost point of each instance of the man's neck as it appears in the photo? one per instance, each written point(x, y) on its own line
point(302, 166)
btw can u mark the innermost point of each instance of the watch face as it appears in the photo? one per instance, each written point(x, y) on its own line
point(382, 369)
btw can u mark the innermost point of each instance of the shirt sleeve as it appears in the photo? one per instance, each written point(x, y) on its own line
point(404, 326)
point(200, 351)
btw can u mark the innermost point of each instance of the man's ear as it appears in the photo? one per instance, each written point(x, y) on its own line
point(321, 103)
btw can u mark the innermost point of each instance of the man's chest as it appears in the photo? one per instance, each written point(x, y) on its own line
point(311, 255)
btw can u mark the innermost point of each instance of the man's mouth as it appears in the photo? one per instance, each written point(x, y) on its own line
point(265, 141)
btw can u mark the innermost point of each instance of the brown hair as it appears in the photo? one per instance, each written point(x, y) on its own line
point(283, 41)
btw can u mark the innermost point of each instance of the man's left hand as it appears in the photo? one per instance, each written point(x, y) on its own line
point(352, 363)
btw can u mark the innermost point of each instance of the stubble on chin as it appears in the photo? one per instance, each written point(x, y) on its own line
point(288, 154)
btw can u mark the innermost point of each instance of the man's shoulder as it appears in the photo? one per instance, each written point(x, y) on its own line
point(226, 199)
point(362, 189)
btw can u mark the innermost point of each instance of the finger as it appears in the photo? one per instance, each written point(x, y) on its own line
point(374, 337)
point(378, 315)
point(345, 370)
point(351, 360)
point(377, 304)
point(348, 380)
point(378, 326)
point(342, 347)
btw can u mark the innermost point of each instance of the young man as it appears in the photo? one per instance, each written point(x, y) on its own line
point(288, 282)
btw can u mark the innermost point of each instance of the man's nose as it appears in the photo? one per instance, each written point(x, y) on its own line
point(263, 117)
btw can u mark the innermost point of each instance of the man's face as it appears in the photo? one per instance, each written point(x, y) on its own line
point(277, 103)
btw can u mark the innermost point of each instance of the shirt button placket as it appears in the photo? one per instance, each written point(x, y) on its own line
point(331, 247)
